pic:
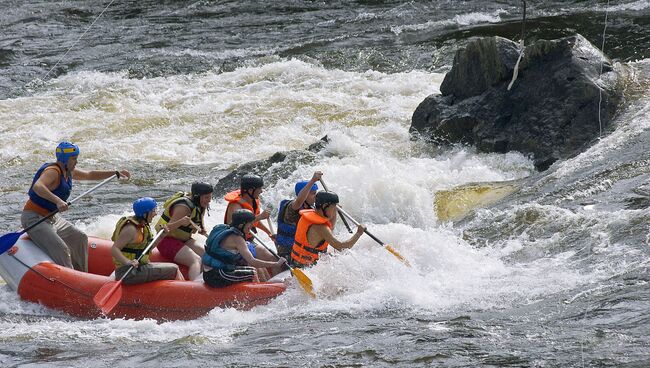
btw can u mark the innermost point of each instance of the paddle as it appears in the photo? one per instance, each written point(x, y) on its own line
point(303, 280)
point(110, 294)
point(8, 240)
point(268, 221)
point(347, 226)
point(388, 247)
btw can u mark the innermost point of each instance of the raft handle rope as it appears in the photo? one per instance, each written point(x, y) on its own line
point(515, 71)
point(50, 279)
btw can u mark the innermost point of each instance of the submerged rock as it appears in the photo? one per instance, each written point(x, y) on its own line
point(456, 203)
point(551, 112)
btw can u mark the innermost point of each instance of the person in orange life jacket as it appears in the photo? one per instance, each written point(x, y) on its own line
point(131, 236)
point(247, 197)
point(288, 214)
point(314, 231)
point(50, 190)
point(227, 253)
point(180, 211)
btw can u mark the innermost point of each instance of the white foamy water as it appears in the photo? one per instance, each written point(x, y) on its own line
point(458, 20)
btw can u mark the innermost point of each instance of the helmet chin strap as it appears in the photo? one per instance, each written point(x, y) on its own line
point(248, 193)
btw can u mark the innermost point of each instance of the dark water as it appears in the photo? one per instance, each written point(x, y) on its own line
point(153, 38)
point(590, 215)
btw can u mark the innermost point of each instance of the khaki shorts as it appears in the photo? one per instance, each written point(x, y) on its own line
point(147, 272)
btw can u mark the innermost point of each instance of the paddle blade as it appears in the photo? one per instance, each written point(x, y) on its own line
point(8, 240)
point(304, 281)
point(108, 296)
point(396, 254)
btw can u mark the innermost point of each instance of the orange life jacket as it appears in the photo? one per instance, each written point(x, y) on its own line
point(303, 253)
point(235, 197)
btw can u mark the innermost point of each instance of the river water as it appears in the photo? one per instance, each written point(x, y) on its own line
point(555, 275)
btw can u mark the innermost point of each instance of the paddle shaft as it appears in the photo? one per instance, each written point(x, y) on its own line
point(268, 221)
point(69, 203)
point(195, 226)
point(347, 226)
point(269, 249)
point(388, 247)
point(146, 250)
point(357, 223)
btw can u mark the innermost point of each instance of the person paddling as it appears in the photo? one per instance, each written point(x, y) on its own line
point(289, 213)
point(248, 197)
point(131, 236)
point(181, 210)
point(228, 259)
point(50, 190)
point(314, 231)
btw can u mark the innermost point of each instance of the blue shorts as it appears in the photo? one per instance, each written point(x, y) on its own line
point(251, 247)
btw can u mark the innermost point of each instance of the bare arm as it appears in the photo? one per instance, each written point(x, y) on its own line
point(232, 207)
point(325, 233)
point(242, 248)
point(79, 174)
point(304, 192)
point(180, 217)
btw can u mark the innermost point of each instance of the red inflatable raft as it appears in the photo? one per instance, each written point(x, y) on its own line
point(30, 272)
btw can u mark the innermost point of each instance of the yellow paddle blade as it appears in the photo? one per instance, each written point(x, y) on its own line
point(304, 281)
point(396, 254)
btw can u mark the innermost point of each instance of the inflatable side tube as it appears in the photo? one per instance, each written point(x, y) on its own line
point(11, 268)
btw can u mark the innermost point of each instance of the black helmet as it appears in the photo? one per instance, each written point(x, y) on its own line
point(241, 217)
point(324, 197)
point(251, 181)
point(199, 189)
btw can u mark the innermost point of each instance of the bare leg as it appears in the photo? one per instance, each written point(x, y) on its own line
point(179, 276)
point(196, 247)
point(187, 257)
point(265, 255)
point(263, 274)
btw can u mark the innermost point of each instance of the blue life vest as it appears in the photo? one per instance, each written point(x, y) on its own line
point(217, 257)
point(62, 191)
point(286, 232)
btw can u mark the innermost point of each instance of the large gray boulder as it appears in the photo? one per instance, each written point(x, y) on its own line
point(551, 112)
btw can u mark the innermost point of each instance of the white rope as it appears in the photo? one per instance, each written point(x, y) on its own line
point(77, 41)
point(515, 72)
point(600, 90)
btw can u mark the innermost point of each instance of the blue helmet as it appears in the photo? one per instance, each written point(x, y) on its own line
point(302, 184)
point(65, 150)
point(142, 206)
